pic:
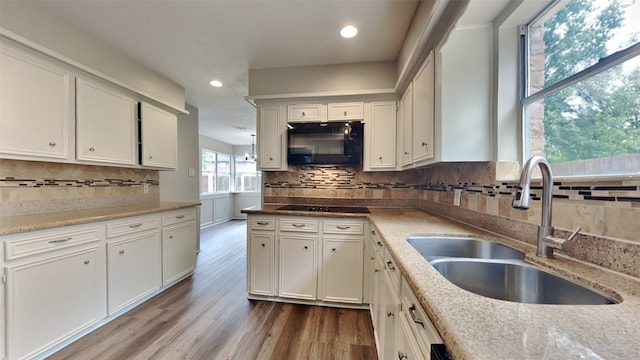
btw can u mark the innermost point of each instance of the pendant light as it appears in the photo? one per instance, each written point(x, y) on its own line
point(253, 156)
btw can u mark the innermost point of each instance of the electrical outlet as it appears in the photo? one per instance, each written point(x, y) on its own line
point(456, 197)
point(192, 172)
point(145, 188)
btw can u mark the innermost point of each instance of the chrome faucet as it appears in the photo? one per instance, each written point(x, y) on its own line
point(521, 201)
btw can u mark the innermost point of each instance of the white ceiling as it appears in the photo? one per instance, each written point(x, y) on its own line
point(192, 42)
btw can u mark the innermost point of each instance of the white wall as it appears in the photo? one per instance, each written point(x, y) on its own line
point(25, 19)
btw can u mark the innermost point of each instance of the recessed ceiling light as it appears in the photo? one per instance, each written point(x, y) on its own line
point(215, 83)
point(348, 32)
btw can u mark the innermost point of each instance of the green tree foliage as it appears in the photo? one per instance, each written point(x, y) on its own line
point(598, 117)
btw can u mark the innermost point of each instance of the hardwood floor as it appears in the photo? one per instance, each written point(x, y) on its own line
point(209, 317)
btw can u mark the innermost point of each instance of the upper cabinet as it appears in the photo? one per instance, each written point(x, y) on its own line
point(405, 128)
point(380, 136)
point(106, 124)
point(36, 102)
point(423, 98)
point(272, 125)
point(463, 96)
point(345, 111)
point(306, 112)
point(159, 134)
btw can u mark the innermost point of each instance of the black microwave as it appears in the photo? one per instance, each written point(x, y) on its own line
point(333, 142)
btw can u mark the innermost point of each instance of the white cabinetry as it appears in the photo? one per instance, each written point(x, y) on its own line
point(133, 260)
point(417, 321)
point(55, 283)
point(306, 112)
point(105, 124)
point(423, 112)
point(261, 255)
point(35, 105)
point(272, 141)
point(405, 148)
point(345, 111)
point(298, 258)
point(159, 133)
point(179, 245)
point(463, 96)
point(380, 136)
point(342, 256)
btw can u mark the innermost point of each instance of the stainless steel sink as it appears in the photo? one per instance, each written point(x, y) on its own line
point(436, 247)
point(516, 281)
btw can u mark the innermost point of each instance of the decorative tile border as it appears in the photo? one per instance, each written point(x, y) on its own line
point(12, 182)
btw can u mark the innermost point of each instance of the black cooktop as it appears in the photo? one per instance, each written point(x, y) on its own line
point(331, 209)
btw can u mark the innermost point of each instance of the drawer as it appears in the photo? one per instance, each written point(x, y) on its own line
point(346, 111)
point(392, 269)
point(419, 322)
point(132, 224)
point(262, 223)
point(301, 225)
point(40, 242)
point(307, 112)
point(343, 227)
point(177, 216)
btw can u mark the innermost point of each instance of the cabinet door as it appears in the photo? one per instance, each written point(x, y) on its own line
point(342, 269)
point(133, 269)
point(306, 112)
point(382, 136)
point(298, 274)
point(423, 112)
point(105, 129)
point(377, 303)
point(391, 314)
point(346, 111)
point(35, 103)
point(406, 127)
point(159, 131)
point(50, 300)
point(261, 263)
point(406, 346)
point(271, 142)
point(178, 251)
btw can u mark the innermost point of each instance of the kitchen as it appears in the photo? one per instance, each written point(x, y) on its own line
point(470, 180)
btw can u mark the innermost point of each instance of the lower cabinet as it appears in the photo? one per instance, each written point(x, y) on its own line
point(54, 288)
point(179, 246)
point(262, 261)
point(298, 270)
point(341, 277)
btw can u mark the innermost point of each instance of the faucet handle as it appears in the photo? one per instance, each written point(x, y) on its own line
point(574, 233)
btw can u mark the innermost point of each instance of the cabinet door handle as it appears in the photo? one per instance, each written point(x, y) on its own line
point(59, 240)
point(270, 158)
point(373, 232)
point(306, 247)
point(390, 266)
point(121, 252)
point(343, 227)
point(304, 114)
point(412, 312)
point(180, 217)
point(424, 144)
point(333, 249)
point(133, 226)
point(171, 237)
point(86, 262)
point(92, 149)
point(390, 314)
point(379, 243)
point(298, 225)
point(263, 245)
point(345, 113)
point(402, 356)
point(263, 223)
point(52, 144)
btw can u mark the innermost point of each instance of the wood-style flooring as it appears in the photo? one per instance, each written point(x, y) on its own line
point(209, 317)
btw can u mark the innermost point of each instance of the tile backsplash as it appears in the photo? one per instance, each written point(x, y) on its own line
point(29, 187)
point(607, 211)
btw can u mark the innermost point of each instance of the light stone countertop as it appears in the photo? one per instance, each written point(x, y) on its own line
point(25, 223)
point(477, 327)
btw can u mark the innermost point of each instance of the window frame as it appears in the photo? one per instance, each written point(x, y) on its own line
point(215, 173)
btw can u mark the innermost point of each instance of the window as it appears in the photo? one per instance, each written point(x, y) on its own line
point(216, 172)
point(247, 178)
point(581, 103)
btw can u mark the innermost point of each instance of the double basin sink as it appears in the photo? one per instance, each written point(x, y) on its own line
point(497, 271)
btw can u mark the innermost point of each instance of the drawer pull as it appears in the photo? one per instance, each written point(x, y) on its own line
point(180, 217)
point(133, 226)
point(121, 252)
point(412, 312)
point(379, 243)
point(343, 227)
point(86, 262)
point(373, 232)
point(59, 240)
point(390, 314)
point(390, 266)
point(298, 225)
point(402, 356)
point(52, 144)
point(262, 223)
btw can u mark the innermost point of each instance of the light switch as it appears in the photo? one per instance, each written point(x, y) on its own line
point(192, 172)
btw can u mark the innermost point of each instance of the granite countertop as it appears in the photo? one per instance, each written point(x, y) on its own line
point(477, 327)
point(273, 210)
point(25, 223)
